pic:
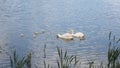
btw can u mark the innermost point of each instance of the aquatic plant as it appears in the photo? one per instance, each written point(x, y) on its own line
point(91, 63)
point(65, 61)
point(46, 65)
point(16, 62)
point(113, 52)
point(44, 51)
point(71, 61)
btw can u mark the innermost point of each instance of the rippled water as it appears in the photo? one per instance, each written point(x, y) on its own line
point(95, 18)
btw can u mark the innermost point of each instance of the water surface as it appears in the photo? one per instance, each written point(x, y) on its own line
point(94, 18)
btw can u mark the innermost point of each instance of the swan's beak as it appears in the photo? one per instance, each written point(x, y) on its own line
point(57, 36)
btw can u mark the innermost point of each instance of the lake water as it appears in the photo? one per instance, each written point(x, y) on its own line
point(95, 18)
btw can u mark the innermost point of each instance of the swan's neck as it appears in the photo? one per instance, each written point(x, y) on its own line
point(72, 32)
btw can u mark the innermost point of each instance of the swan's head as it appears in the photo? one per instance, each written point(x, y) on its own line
point(82, 38)
point(58, 35)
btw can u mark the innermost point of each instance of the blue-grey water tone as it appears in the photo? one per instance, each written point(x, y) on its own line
point(95, 18)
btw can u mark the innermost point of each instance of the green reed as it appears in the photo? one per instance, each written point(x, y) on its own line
point(71, 61)
point(46, 65)
point(44, 51)
point(65, 61)
point(91, 63)
point(113, 52)
point(16, 62)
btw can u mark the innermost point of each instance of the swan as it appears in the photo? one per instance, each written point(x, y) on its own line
point(42, 31)
point(66, 36)
point(21, 35)
point(35, 34)
point(79, 35)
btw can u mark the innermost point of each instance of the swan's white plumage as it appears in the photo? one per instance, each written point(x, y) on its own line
point(79, 35)
point(66, 36)
point(70, 35)
point(21, 35)
point(36, 33)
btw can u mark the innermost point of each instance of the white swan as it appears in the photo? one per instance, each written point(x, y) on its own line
point(35, 34)
point(79, 35)
point(66, 36)
point(21, 35)
point(42, 31)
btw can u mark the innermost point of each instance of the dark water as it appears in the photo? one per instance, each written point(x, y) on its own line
point(95, 18)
